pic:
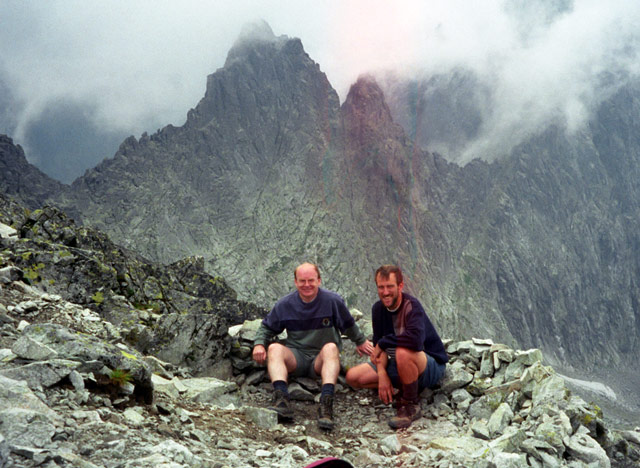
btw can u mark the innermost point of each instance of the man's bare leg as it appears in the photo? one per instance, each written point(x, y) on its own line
point(327, 365)
point(362, 376)
point(280, 362)
point(411, 364)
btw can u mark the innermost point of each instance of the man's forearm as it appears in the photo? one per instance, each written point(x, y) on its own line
point(381, 360)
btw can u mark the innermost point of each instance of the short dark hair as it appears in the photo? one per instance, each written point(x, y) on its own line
point(295, 271)
point(385, 272)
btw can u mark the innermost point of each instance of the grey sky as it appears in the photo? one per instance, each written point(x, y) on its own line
point(133, 66)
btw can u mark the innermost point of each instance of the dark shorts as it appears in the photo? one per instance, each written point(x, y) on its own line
point(304, 363)
point(428, 379)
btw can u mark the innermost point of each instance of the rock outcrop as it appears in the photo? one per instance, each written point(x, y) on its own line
point(177, 312)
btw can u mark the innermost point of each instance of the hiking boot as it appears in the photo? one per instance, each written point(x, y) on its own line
point(407, 413)
point(281, 405)
point(325, 412)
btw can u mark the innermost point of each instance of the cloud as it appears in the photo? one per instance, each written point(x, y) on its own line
point(542, 61)
point(64, 133)
point(559, 75)
point(138, 66)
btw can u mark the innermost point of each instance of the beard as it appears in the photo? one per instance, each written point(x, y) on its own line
point(395, 301)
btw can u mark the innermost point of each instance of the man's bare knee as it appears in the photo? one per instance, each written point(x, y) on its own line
point(330, 349)
point(404, 354)
point(361, 377)
point(352, 378)
point(354, 382)
point(275, 350)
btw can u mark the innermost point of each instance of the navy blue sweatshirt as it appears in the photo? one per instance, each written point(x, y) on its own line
point(310, 325)
point(415, 330)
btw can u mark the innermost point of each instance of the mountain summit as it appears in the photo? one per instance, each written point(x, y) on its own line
point(251, 35)
point(235, 174)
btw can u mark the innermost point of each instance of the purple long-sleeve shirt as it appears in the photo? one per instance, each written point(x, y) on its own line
point(310, 325)
point(408, 327)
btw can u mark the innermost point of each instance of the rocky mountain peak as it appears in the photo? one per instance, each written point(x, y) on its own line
point(374, 142)
point(264, 78)
point(253, 37)
point(365, 106)
point(22, 180)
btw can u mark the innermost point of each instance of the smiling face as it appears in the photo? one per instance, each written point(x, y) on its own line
point(389, 291)
point(307, 281)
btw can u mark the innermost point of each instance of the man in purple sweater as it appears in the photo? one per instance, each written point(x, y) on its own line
point(314, 318)
point(408, 353)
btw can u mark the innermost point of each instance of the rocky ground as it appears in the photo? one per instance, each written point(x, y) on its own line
point(109, 361)
point(61, 404)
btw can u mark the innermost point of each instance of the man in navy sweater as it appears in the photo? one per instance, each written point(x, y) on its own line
point(314, 319)
point(408, 353)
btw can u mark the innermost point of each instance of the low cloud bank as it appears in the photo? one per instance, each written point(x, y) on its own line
point(135, 67)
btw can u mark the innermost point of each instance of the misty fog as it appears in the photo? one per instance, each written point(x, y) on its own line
point(76, 77)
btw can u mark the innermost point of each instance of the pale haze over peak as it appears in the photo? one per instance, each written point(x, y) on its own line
point(77, 77)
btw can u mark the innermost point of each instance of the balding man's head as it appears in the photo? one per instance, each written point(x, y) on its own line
point(307, 281)
point(306, 265)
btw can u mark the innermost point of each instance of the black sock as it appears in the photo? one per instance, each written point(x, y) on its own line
point(410, 391)
point(328, 389)
point(281, 385)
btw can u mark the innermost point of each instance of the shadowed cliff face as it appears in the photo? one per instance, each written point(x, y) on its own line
point(569, 278)
point(375, 148)
point(536, 249)
point(21, 180)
